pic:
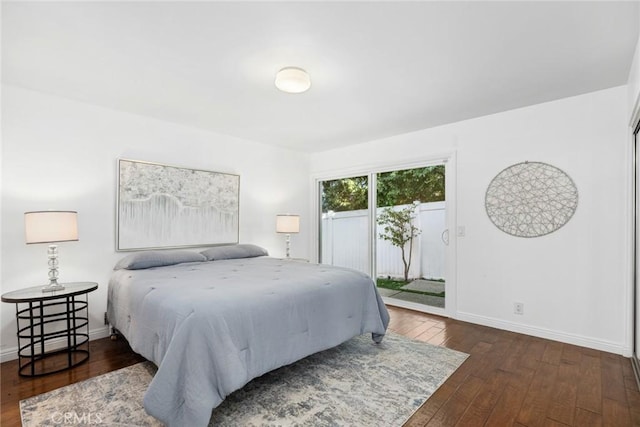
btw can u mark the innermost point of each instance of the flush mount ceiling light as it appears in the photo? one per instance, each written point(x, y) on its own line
point(293, 80)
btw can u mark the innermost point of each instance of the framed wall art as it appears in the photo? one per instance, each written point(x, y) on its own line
point(162, 206)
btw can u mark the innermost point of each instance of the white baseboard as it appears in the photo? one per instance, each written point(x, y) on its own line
point(596, 344)
point(12, 353)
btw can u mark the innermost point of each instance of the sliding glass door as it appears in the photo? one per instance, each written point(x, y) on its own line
point(344, 223)
point(402, 242)
point(411, 235)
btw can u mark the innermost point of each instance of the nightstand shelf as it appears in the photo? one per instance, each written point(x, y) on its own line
point(43, 319)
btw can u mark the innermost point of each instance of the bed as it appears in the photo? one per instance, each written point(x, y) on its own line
point(213, 321)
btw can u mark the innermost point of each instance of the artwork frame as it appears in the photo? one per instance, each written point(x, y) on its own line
point(161, 206)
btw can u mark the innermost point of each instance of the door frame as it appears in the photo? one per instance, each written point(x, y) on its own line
point(371, 170)
point(635, 249)
point(633, 192)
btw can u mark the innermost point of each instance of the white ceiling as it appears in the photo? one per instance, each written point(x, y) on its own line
point(377, 68)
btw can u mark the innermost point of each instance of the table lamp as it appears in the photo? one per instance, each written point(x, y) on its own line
point(288, 224)
point(51, 227)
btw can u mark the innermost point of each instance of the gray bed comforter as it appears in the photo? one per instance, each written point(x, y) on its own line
point(211, 327)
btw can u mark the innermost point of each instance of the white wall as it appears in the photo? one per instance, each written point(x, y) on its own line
point(633, 82)
point(572, 282)
point(61, 154)
point(634, 116)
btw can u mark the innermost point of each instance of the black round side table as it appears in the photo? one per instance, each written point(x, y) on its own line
point(53, 327)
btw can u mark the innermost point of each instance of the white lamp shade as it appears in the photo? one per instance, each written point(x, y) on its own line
point(293, 80)
point(287, 224)
point(50, 226)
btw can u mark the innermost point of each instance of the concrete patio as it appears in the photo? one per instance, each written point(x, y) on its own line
point(417, 285)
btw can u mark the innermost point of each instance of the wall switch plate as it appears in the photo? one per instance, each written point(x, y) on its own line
point(461, 231)
point(518, 308)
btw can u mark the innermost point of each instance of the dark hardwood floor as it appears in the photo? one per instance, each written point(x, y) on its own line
point(106, 356)
point(509, 379)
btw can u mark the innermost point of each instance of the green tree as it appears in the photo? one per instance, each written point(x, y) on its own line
point(394, 188)
point(347, 194)
point(405, 186)
point(400, 231)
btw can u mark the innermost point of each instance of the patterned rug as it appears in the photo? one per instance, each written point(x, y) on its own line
point(357, 383)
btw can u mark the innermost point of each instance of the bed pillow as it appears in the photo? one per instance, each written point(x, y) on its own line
point(149, 259)
point(234, 252)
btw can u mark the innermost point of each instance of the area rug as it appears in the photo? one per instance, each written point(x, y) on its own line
point(357, 383)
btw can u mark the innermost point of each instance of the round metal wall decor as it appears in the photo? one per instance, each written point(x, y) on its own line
point(531, 199)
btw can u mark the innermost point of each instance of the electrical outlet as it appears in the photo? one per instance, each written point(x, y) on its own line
point(518, 308)
point(461, 231)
